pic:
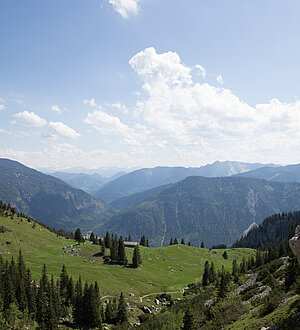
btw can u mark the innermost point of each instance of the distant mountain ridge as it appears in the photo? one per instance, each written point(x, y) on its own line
point(149, 178)
point(49, 199)
point(289, 173)
point(87, 182)
point(213, 210)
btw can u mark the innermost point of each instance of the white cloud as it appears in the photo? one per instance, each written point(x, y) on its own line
point(61, 131)
point(2, 107)
point(220, 79)
point(125, 7)
point(30, 119)
point(55, 108)
point(201, 70)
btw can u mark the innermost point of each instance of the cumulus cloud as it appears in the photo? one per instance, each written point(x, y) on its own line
point(55, 108)
point(2, 107)
point(179, 112)
point(201, 70)
point(125, 8)
point(29, 119)
point(220, 79)
point(61, 131)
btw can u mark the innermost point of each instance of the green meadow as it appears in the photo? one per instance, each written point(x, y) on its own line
point(164, 269)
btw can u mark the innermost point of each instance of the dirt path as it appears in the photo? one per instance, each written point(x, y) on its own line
point(151, 294)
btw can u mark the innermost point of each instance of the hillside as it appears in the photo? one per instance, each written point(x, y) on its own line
point(49, 199)
point(149, 178)
point(124, 202)
point(87, 182)
point(289, 173)
point(213, 210)
point(272, 230)
point(169, 268)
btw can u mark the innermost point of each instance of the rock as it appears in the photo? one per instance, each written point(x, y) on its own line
point(131, 294)
point(148, 300)
point(294, 243)
point(146, 310)
point(156, 301)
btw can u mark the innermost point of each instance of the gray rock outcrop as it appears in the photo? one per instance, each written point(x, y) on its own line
point(294, 243)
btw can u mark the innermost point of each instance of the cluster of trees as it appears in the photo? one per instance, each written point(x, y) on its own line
point(272, 230)
point(24, 302)
point(175, 241)
point(8, 210)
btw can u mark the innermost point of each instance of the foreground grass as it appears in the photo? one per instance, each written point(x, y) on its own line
point(167, 269)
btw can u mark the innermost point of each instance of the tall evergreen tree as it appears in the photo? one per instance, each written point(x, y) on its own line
point(122, 259)
point(205, 277)
point(202, 245)
point(122, 311)
point(136, 258)
point(171, 241)
point(108, 240)
point(182, 241)
point(143, 241)
point(78, 236)
point(188, 320)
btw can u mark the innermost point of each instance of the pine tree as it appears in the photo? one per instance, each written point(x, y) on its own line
point(143, 241)
point(189, 243)
point(202, 245)
point(122, 311)
point(175, 241)
point(205, 277)
point(78, 236)
point(223, 285)
point(292, 272)
point(114, 250)
point(171, 241)
point(188, 320)
point(95, 311)
point(107, 240)
point(182, 241)
point(212, 276)
point(78, 303)
point(136, 258)
point(147, 242)
point(102, 248)
point(122, 259)
point(225, 255)
point(93, 238)
point(129, 238)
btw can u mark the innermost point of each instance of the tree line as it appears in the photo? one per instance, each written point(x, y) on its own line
point(48, 302)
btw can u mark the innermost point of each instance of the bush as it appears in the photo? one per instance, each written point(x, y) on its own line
point(271, 302)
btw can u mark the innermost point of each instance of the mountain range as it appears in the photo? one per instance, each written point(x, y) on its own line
point(213, 210)
point(149, 178)
point(49, 199)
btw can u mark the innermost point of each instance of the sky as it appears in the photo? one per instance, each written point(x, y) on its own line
point(143, 83)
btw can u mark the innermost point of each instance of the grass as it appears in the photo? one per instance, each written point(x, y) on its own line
point(167, 269)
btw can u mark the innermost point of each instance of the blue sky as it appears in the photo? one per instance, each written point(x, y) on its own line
point(131, 83)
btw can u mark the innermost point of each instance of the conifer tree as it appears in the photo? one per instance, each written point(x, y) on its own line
point(171, 241)
point(114, 250)
point(189, 243)
point(202, 245)
point(108, 240)
point(78, 303)
point(122, 311)
point(182, 241)
point(143, 241)
point(223, 285)
point(175, 241)
point(212, 276)
point(102, 248)
point(78, 236)
point(205, 277)
point(225, 255)
point(122, 259)
point(188, 320)
point(94, 305)
point(136, 258)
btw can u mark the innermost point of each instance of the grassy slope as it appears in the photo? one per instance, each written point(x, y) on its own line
point(169, 268)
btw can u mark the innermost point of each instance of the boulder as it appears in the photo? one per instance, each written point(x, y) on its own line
point(294, 243)
point(146, 310)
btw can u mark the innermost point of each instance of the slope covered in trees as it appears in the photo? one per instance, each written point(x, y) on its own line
point(212, 210)
point(49, 199)
point(289, 173)
point(148, 178)
point(272, 230)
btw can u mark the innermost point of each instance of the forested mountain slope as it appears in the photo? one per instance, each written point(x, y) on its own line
point(148, 178)
point(213, 210)
point(49, 199)
point(289, 173)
